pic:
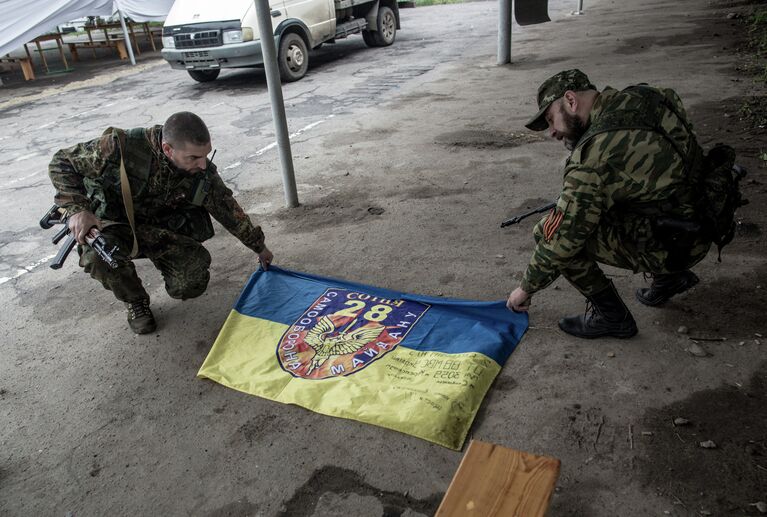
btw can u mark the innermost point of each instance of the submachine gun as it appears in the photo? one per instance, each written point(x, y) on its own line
point(517, 218)
point(57, 215)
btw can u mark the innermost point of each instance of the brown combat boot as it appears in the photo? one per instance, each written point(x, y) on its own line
point(140, 317)
point(606, 315)
point(664, 286)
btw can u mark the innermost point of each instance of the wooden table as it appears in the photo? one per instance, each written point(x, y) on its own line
point(47, 37)
point(117, 44)
point(116, 25)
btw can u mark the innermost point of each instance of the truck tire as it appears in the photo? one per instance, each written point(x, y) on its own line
point(204, 76)
point(292, 58)
point(369, 39)
point(387, 27)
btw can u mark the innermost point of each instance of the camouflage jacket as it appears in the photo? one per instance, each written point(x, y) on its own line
point(165, 189)
point(606, 177)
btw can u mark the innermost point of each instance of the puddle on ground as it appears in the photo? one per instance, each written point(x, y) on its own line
point(481, 139)
point(342, 481)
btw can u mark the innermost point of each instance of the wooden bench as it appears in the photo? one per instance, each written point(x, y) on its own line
point(114, 30)
point(494, 481)
point(41, 50)
point(24, 62)
point(117, 44)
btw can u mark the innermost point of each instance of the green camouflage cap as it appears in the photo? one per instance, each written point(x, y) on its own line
point(552, 89)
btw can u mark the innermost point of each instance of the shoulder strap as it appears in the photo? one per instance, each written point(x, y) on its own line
point(648, 116)
point(127, 197)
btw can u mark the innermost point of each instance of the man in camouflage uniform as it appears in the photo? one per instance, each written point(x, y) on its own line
point(174, 189)
point(627, 199)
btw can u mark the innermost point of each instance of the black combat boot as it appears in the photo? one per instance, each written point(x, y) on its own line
point(606, 315)
point(665, 286)
point(140, 317)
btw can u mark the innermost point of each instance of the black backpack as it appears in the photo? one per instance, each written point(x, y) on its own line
point(719, 187)
point(715, 177)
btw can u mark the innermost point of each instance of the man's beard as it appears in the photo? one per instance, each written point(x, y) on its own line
point(178, 168)
point(575, 129)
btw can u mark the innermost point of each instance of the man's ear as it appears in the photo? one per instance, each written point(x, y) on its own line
point(571, 102)
point(167, 149)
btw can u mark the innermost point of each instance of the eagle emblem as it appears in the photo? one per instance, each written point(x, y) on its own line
point(325, 345)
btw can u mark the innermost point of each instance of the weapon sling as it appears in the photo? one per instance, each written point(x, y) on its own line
point(127, 199)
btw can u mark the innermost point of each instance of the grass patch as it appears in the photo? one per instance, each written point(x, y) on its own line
point(754, 109)
point(758, 42)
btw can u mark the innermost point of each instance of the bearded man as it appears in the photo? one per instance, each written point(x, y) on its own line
point(627, 200)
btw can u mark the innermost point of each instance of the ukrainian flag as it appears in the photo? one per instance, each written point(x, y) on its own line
point(415, 364)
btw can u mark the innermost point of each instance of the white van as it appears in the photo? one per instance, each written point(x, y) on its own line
point(202, 37)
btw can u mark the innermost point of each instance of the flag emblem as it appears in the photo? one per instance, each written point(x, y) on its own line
point(343, 331)
point(552, 223)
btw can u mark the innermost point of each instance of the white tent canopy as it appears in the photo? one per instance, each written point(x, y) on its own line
point(24, 20)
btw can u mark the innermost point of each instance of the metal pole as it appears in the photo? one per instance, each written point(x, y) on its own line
point(504, 32)
point(127, 38)
point(273, 84)
point(580, 8)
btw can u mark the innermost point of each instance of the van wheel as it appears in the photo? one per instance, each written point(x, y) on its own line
point(387, 27)
point(204, 76)
point(293, 58)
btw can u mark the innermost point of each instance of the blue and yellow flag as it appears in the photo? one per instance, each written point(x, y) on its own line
point(415, 364)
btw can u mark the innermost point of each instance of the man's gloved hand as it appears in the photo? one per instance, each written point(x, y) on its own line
point(519, 300)
point(80, 225)
point(265, 258)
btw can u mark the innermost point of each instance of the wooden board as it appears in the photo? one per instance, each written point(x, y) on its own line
point(497, 481)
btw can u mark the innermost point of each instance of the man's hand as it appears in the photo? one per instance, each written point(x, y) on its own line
point(81, 223)
point(265, 258)
point(519, 300)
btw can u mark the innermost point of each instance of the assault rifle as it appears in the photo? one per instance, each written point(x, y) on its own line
point(56, 216)
point(517, 218)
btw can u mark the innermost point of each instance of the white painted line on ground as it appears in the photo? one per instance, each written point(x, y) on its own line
point(5, 185)
point(80, 114)
point(26, 157)
point(292, 135)
point(263, 150)
point(26, 269)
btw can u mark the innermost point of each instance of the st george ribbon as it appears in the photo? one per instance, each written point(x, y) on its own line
point(416, 364)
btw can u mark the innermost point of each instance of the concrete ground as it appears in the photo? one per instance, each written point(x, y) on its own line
point(98, 421)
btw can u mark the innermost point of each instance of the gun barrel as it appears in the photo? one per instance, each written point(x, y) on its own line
point(517, 218)
point(100, 246)
point(509, 222)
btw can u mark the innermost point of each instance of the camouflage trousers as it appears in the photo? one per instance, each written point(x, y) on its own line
point(183, 262)
point(627, 247)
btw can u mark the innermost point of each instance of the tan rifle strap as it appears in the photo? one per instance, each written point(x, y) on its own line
point(127, 199)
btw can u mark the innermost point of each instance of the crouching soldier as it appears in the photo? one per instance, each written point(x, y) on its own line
point(151, 192)
point(638, 193)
